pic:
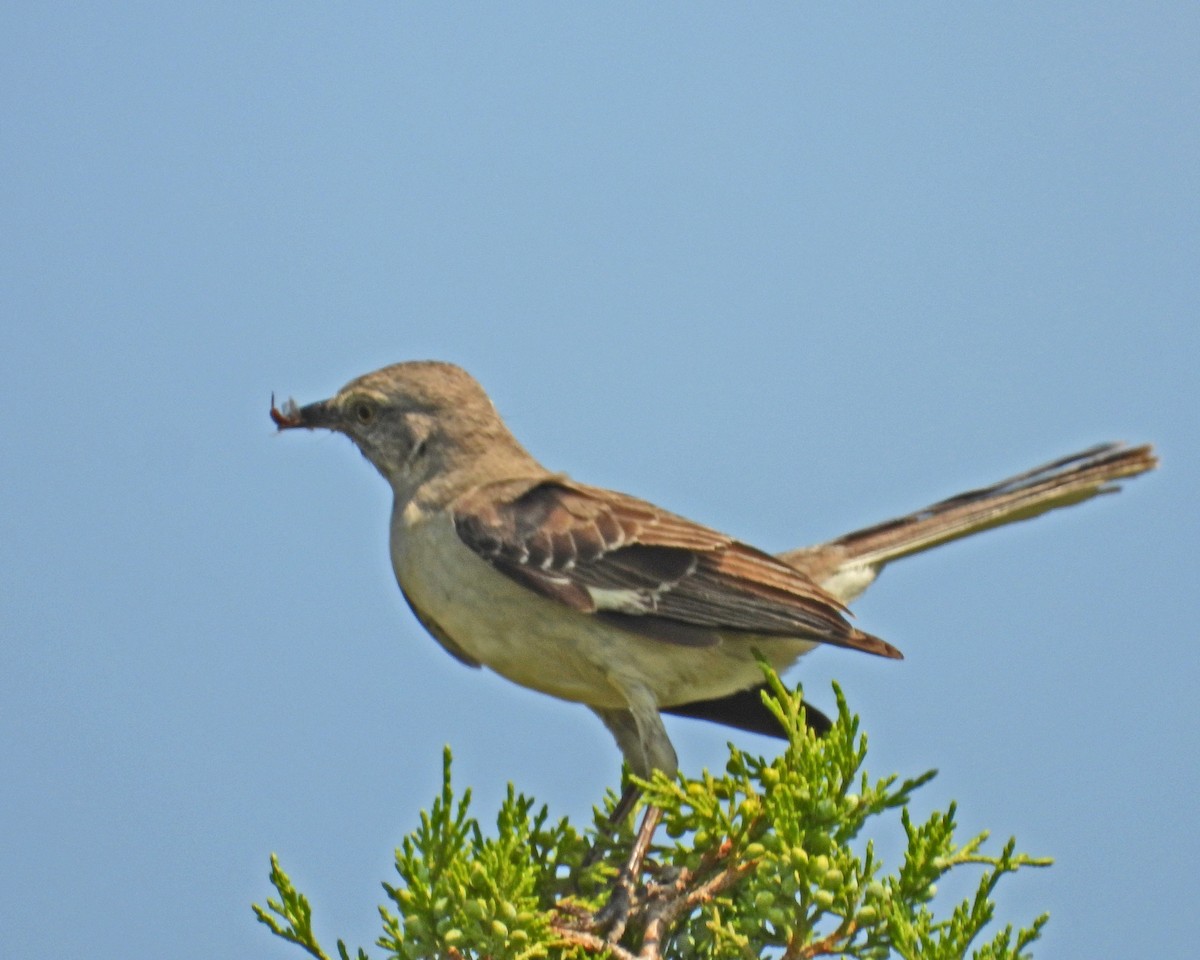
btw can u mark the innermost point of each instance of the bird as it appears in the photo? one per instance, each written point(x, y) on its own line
point(607, 600)
point(604, 599)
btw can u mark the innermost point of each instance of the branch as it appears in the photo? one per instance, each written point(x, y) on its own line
point(665, 912)
point(826, 945)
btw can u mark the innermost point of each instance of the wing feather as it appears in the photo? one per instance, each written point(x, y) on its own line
point(647, 570)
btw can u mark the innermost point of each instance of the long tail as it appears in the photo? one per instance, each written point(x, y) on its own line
point(847, 566)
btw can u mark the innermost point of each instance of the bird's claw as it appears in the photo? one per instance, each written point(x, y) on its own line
point(612, 918)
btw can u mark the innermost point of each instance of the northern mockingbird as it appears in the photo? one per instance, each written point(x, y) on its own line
point(607, 600)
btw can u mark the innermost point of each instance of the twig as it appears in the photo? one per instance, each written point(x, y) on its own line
point(661, 905)
point(824, 946)
point(666, 912)
point(591, 942)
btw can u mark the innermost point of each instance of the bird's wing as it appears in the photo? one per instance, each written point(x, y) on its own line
point(647, 570)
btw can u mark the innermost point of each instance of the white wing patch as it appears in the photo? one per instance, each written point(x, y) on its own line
point(625, 601)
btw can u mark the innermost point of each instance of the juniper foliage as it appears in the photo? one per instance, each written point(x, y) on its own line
point(774, 859)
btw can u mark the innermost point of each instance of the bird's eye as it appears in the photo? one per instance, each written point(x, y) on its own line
point(364, 412)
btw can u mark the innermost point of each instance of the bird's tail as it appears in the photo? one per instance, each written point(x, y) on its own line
point(846, 566)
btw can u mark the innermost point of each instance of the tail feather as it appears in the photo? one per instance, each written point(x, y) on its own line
point(847, 565)
point(745, 710)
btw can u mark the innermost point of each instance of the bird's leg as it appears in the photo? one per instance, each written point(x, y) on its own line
point(625, 805)
point(629, 798)
point(614, 915)
point(628, 729)
point(643, 740)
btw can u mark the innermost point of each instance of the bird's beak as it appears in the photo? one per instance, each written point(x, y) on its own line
point(313, 416)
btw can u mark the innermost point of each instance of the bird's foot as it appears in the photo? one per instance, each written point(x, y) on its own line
point(613, 917)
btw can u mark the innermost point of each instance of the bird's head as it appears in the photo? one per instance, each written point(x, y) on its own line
point(415, 421)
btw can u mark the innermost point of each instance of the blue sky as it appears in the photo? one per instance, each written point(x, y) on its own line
point(787, 269)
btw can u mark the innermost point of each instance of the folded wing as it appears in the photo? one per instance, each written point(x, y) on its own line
point(647, 570)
